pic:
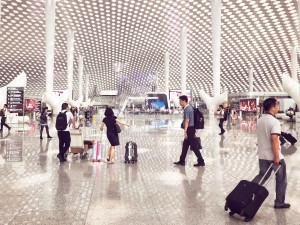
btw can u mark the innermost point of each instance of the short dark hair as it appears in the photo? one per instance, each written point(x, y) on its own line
point(108, 112)
point(183, 98)
point(5, 105)
point(269, 103)
point(221, 106)
point(64, 106)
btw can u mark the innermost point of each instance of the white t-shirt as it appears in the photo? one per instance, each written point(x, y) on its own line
point(266, 126)
point(69, 117)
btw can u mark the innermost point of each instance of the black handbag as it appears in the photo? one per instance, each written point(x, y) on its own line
point(117, 128)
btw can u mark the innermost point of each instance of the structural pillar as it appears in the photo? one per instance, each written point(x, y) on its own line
point(70, 58)
point(86, 87)
point(50, 38)
point(80, 75)
point(294, 63)
point(183, 58)
point(216, 44)
point(167, 71)
point(251, 80)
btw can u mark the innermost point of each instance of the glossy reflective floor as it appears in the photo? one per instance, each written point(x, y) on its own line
point(36, 189)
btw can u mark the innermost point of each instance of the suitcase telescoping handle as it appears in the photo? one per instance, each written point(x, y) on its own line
point(267, 182)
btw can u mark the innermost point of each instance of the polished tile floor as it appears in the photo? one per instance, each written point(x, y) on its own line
point(36, 189)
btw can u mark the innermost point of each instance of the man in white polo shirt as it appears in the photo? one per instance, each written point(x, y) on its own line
point(268, 132)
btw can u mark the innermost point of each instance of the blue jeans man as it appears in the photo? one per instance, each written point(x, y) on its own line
point(281, 178)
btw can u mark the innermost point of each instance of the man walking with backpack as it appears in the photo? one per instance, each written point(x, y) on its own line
point(63, 122)
point(189, 134)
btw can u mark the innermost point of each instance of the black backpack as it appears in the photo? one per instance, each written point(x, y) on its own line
point(43, 116)
point(2, 113)
point(198, 119)
point(61, 121)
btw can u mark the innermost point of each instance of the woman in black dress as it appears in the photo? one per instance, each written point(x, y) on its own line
point(109, 120)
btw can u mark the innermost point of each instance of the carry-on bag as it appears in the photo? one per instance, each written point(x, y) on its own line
point(97, 149)
point(96, 153)
point(247, 197)
point(289, 138)
point(131, 152)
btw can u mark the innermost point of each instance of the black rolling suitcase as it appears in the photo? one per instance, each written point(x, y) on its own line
point(247, 197)
point(131, 152)
point(289, 138)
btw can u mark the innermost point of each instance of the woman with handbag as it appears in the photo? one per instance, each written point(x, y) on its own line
point(111, 122)
point(44, 123)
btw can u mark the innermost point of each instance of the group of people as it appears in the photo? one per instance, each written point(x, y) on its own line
point(269, 152)
point(268, 132)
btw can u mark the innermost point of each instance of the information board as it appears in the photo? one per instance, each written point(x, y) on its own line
point(15, 99)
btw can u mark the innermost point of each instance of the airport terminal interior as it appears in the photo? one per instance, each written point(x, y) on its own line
point(137, 57)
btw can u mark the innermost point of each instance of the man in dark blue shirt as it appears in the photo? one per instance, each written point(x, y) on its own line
point(189, 133)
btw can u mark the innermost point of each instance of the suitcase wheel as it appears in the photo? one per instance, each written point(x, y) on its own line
point(226, 206)
point(247, 219)
point(231, 213)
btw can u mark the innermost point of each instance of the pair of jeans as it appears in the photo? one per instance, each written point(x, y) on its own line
point(221, 125)
point(3, 119)
point(47, 130)
point(64, 138)
point(191, 141)
point(281, 178)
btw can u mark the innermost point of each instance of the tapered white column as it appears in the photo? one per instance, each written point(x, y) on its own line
point(86, 87)
point(294, 63)
point(183, 58)
point(167, 71)
point(0, 15)
point(251, 80)
point(70, 58)
point(298, 21)
point(50, 32)
point(80, 75)
point(216, 44)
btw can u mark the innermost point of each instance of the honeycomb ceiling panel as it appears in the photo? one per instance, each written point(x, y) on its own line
point(124, 42)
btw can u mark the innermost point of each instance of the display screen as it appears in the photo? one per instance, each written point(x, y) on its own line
point(248, 105)
point(160, 103)
point(175, 93)
point(29, 105)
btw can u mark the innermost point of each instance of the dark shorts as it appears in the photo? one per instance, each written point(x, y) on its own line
point(113, 139)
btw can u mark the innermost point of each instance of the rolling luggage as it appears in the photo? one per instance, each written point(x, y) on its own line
point(96, 154)
point(131, 152)
point(289, 138)
point(247, 197)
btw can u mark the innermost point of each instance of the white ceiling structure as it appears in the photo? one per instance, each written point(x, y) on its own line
point(137, 33)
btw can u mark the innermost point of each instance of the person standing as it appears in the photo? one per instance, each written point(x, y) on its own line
point(268, 132)
point(222, 119)
point(233, 114)
point(109, 120)
point(3, 118)
point(44, 123)
point(64, 136)
point(189, 134)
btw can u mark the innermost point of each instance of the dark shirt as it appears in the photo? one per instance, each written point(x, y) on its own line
point(109, 122)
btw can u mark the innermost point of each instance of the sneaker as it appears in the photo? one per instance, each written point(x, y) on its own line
point(179, 163)
point(41, 137)
point(9, 129)
point(61, 159)
point(49, 137)
point(199, 164)
point(284, 206)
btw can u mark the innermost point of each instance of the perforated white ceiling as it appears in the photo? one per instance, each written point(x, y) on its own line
point(137, 33)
